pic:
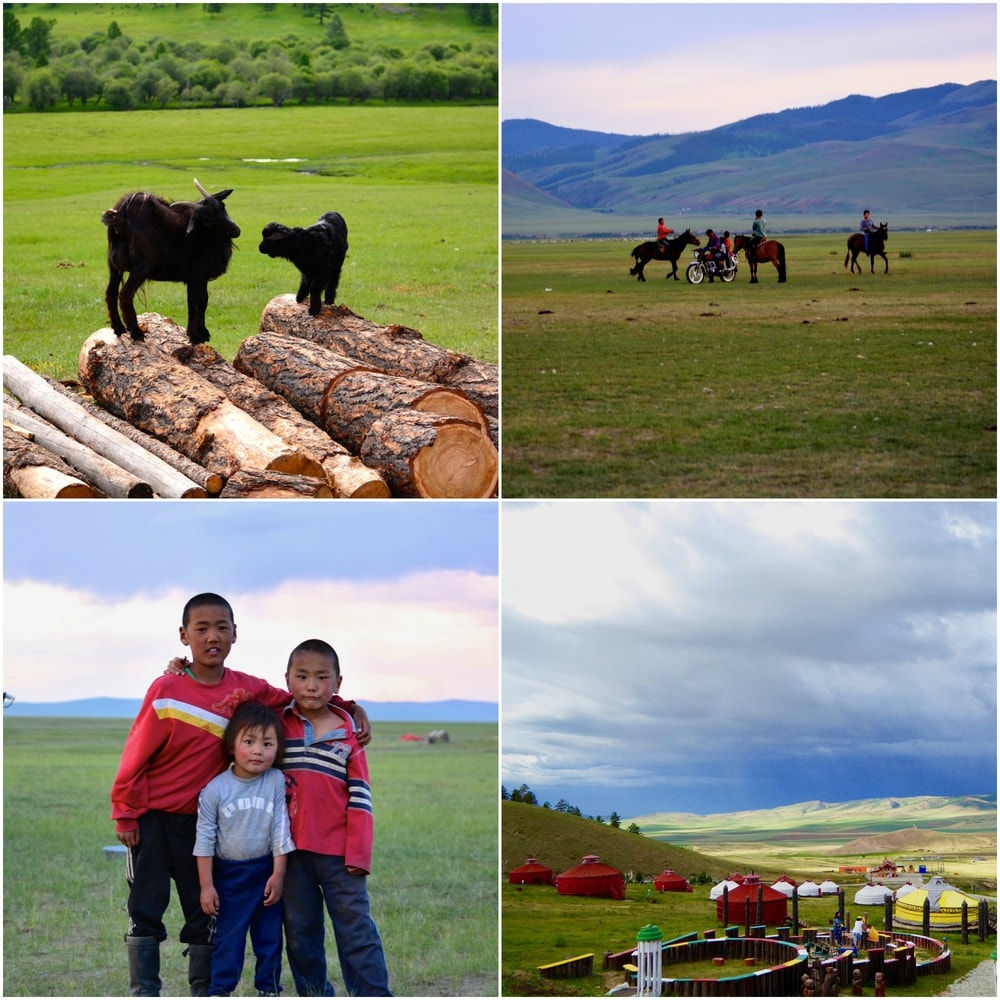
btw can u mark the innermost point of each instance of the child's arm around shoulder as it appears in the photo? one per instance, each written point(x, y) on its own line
point(278, 698)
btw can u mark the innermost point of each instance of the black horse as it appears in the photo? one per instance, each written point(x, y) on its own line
point(876, 248)
point(669, 250)
point(768, 250)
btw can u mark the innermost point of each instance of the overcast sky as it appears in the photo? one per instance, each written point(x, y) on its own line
point(407, 592)
point(647, 68)
point(713, 657)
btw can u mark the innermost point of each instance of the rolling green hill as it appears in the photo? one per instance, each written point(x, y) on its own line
point(961, 814)
point(559, 841)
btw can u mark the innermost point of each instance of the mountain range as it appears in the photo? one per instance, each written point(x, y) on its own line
point(927, 150)
point(454, 710)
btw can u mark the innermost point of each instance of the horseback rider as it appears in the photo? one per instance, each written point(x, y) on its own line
point(759, 231)
point(867, 227)
point(662, 232)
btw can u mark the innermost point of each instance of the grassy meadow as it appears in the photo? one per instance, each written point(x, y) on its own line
point(416, 185)
point(419, 24)
point(433, 888)
point(831, 385)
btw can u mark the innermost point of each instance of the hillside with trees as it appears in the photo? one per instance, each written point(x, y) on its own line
point(70, 57)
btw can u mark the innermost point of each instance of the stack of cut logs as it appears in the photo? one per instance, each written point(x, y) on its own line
point(312, 406)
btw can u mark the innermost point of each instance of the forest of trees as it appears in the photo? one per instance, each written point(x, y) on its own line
point(524, 794)
point(110, 71)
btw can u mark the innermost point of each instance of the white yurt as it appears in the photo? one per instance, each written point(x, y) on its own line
point(829, 888)
point(872, 895)
point(726, 883)
point(905, 889)
point(808, 888)
point(784, 886)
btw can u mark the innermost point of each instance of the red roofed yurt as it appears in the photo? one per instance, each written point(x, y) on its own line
point(775, 903)
point(531, 873)
point(670, 881)
point(591, 878)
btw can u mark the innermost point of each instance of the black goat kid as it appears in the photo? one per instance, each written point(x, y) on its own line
point(154, 240)
point(318, 252)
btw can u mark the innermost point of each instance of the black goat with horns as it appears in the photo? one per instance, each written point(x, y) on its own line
point(156, 240)
point(318, 252)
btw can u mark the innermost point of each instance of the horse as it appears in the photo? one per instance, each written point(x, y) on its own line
point(652, 250)
point(768, 250)
point(876, 247)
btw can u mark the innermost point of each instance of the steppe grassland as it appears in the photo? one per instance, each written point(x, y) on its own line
point(417, 186)
point(435, 858)
point(829, 385)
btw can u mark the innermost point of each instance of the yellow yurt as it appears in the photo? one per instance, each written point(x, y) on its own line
point(946, 906)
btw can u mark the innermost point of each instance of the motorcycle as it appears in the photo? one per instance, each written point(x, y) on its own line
point(703, 267)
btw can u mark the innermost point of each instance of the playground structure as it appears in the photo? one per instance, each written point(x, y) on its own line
point(767, 964)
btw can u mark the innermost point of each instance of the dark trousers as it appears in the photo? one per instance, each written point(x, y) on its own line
point(310, 881)
point(165, 854)
point(240, 885)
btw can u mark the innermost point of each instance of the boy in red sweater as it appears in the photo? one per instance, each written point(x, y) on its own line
point(173, 750)
point(330, 813)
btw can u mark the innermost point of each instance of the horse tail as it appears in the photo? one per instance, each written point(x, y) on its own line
point(847, 256)
point(782, 274)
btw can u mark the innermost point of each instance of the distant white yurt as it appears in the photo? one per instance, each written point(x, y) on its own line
point(784, 886)
point(905, 889)
point(829, 888)
point(809, 888)
point(726, 883)
point(872, 895)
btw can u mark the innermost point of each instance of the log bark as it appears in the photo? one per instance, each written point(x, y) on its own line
point(346, 474)
point(431, 455)
point(96, 469)
point(66, 411)
point(159, 395)
point(31, 471)
point(394, 350)
point(206, 482)
point(337, 395)
point(260, 485)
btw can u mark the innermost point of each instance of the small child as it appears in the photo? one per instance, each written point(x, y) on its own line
point(241, 845)
point(330, 810)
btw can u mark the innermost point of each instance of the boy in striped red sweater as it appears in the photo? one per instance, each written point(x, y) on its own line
point(172, 751)
point(330, 814)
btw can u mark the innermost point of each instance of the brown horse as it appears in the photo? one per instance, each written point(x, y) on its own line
point(645, 252)
point(768, 250)
point(876, 247)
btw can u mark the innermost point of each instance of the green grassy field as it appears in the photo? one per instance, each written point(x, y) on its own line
point(364, 23)
point(830, 385)
point(417, 187)
point(433, 887)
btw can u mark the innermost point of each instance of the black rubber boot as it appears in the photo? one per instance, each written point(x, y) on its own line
point(143, 966)
point(199, 968)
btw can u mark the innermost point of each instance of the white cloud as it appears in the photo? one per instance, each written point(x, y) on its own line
point(428, 636)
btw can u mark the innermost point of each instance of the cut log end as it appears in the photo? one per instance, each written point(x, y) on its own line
point(460, 463)
point(40, 482)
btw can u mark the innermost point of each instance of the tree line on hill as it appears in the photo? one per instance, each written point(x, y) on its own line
point(109, 71)
point(524, 794)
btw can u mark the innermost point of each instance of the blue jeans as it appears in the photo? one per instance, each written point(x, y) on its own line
point(240, 885)
point(310, 881)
